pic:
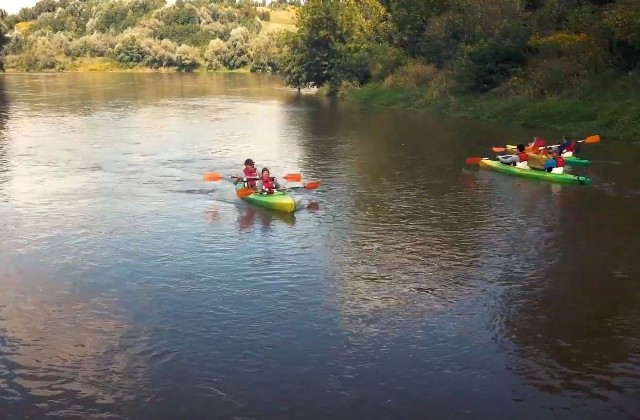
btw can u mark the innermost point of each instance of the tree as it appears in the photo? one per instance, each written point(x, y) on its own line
point(332, 42)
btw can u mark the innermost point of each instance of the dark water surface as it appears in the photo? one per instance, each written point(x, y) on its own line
point(412, 287)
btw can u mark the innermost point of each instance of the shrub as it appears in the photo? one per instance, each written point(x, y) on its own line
point(410, 75)
point(187, 58)
point(237, 55)
point(214, 54)
point(130, 50)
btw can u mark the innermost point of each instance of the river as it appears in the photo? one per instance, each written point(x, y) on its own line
point(409, 285)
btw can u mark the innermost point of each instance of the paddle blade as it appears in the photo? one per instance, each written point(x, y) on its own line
point(499, 149)
point(473, 160)
point(312, 185)
point(245, 192)
point(293, 177)
point(212, 176)
point(592, 139)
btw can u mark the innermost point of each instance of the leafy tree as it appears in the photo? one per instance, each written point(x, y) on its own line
point(331, 44)
point(130, 50)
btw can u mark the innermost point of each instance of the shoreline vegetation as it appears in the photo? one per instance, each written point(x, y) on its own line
point(613, 119)
point(570, 65)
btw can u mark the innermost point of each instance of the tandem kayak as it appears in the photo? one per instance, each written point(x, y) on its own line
point(279, 200)
point(532, 173)
point(573, 160)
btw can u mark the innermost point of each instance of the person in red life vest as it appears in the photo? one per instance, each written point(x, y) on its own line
point(568, 147)
point(268, 183)
point(519, 160)
point(249, 174)
point(555, 165)
point(536, 144)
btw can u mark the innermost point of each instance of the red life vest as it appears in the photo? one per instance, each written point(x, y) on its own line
point(523, 157)
point(571, 147)
point(537, 145)
point(268, 183)
point(250, 173)
point(559, 161)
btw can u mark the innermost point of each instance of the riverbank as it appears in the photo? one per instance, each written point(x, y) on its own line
point(103, 64)
point(618, 119)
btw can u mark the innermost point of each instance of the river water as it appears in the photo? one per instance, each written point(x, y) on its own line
point(409, 285)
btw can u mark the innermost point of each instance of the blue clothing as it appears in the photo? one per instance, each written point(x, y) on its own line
point(550, 164)
point(563, 146)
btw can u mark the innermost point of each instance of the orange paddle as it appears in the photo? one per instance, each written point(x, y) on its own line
point(474, 160)
point(245, 192)
point(212, 176)
point(293, 177)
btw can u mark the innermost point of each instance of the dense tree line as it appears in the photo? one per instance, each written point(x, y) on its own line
point(527, 47)
point(3, 37)
point(191, 34)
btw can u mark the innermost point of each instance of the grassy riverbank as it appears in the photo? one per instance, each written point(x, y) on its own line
point(613, 118)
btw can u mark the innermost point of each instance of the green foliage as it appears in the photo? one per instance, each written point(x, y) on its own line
point(214, 54)
point(3, 38)
point(333, 43)
point(130, 51)
point(489, 64)
point(141, 33)
point(237, 54)
point(187, 58)
point(190, 34)
point(266, 52)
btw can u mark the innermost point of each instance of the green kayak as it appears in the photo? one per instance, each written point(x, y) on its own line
point(573, 160)
point(531, 173)
point(279, 200)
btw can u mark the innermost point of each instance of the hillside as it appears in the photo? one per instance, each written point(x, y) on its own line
point(146, 34)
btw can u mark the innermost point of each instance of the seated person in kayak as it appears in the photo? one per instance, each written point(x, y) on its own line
point(268, 183)
point(567, 147)
point(519, 160)
point(555, 165)
point(535, 145)
point(249, 174)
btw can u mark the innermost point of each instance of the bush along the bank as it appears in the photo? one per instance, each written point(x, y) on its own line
point(186, 36)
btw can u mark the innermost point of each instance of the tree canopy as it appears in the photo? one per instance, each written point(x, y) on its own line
point(534, 46)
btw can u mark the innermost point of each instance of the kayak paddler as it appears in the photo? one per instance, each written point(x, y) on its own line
point(536, 145)
point(519, 160)
point(567, 147)
point(555, 165)
point(268, 183)
point(249, 174)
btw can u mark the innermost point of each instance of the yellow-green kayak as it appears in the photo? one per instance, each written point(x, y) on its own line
point(279, 200)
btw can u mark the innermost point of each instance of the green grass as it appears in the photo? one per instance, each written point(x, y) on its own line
point(618, 119)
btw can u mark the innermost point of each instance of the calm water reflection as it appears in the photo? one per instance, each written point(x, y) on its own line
point(409, 286)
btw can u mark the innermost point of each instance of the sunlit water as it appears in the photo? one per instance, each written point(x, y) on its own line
point(408, 286)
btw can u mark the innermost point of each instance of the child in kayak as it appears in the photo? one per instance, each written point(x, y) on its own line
point(567, 147)
point(268, 183)
point(249, 174)
point(519, 160)
point(536, 144)
point(555, 165)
